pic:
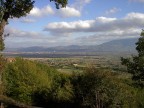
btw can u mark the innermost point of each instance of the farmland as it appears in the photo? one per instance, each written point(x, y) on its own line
point(71, 62)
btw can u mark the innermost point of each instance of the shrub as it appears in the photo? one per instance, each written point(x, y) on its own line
point(97, 88)
point(34, 83)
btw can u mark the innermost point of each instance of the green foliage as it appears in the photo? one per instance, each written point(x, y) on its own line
point(31, 82)
point(40, 85)
point(1, 9)
point(63, 3)
point(15, 8)
point(100, 89)
point(62, 88)
point(2, 45)
point(135, 65)
point(23, 77)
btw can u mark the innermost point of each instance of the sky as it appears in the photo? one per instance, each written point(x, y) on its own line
point(82, 22)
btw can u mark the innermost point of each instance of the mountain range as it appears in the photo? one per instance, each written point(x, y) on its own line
point(122, 45)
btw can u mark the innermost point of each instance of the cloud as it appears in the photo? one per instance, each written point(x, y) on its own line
point(68, 12)
point(135, 16)
point(79, 4)
point(99, 38)
point(82, 32)
point(63, 12)
point(37, 12)
point(100, 24)
point(112, 11)
point(28, 20)
point(14, 32)
point(20, 38)
point(78, 26)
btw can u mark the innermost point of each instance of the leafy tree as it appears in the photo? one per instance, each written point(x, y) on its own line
point(98, 88)
point(37, 84)
point(17, 9)
point(34, 83)
point(22, 77)
point(135, 64)
point(59, 3)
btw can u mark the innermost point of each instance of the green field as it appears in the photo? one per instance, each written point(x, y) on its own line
point(78, 63)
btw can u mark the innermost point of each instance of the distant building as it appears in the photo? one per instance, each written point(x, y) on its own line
point(10, 59)
point(75, 65)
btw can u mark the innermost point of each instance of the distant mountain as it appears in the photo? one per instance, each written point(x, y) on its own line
point(123, 45)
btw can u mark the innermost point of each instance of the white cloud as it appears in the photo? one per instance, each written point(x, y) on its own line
point(100, 24)
point(79, 4)
point(134, 15)
point(99, 38)
point(63, 12)
point(112, 11)
point(37, 12)
point(20, 38)
point(14, 32)
point(82, 32)
point(78, 26)
point(68, 12)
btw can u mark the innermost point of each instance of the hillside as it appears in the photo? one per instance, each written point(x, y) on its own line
point(123, 45)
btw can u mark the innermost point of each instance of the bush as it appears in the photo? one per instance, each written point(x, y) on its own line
point(32, 83)
point(98, 88)
point(37, 84)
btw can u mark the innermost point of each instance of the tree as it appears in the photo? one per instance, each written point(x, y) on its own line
point(17, 9)
point(63, 3)
point(36, 83)
point(99, 88)
point(135, 64)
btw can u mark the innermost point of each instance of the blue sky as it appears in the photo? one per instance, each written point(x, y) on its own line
point(82, 22)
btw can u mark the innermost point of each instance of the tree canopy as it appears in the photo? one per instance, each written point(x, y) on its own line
point(37, 84)
point(135, 65)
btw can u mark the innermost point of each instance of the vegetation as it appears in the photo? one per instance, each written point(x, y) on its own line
point(2, 63)
point(98, 88)
point(16, 9)
point(37, 84)
point(92, 85)
point(135, 65)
